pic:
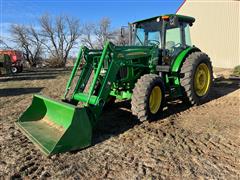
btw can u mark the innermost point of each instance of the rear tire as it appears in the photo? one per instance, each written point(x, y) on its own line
point(148, 97)
point(197, 79)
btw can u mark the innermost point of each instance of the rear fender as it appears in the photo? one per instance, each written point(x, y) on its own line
point(178, 61)
point(175, 71)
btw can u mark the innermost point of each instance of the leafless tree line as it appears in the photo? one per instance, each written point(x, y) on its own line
point(3, 43)
point(57, 36)
point(95, 35)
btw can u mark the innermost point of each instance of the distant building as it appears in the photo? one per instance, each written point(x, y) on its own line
point(216, 30)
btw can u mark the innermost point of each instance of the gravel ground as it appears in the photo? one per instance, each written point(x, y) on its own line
point(186, 143)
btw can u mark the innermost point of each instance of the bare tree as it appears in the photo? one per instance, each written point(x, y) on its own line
point(3, 44)
point(95, 35)
point(60, 35)
point(103, 32)
point(122, 37)
point(28, 40)
point(35, 41)
point(87, 35)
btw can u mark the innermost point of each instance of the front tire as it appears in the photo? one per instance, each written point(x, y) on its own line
point(197, 79)
point(14, 69)
point(148, 97)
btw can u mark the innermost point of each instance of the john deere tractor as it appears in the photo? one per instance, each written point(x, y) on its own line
point(158, 65)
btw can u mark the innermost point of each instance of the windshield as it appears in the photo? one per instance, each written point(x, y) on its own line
point(148, 33)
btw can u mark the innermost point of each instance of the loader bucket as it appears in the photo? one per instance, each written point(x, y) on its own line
point(55, 126)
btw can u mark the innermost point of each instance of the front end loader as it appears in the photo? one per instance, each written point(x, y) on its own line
point(158, 65)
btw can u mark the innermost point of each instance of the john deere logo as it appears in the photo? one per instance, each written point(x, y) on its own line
point(136, 53)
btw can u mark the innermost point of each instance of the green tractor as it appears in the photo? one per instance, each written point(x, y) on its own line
point(159, 64)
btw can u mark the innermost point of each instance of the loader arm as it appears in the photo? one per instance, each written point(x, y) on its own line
point(51, 124)
point(94, 102)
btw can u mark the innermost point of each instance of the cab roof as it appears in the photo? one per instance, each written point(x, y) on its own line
point(181, 18)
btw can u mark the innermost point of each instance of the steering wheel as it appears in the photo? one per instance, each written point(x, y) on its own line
point(177, 45)
point(175, 49)
point(152, 43)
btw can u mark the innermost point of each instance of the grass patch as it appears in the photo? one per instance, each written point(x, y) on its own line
point(236, 71)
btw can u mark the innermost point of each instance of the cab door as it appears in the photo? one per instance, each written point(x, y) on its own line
point(176, 40)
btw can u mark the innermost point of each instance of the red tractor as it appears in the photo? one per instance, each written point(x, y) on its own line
point(16, 59)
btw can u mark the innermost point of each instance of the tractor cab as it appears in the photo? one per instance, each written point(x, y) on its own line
point(169, 32)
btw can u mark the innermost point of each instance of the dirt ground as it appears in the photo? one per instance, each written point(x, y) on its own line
point(200, 142)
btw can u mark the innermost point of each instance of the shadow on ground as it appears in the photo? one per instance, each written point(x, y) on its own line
point(38, 74)
point(18, 91)
point(45, 71)
point(25, 78)
point(118, 118)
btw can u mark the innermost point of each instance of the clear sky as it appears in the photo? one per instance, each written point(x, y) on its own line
point(119, 11)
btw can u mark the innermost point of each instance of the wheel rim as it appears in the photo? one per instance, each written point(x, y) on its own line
point(201, 79)
point(14, 69)
point(155, 100)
